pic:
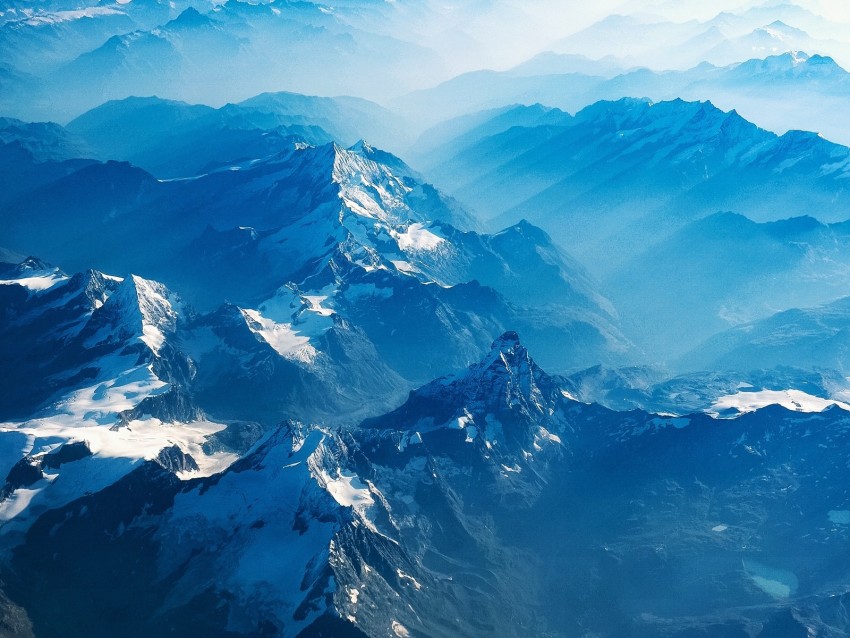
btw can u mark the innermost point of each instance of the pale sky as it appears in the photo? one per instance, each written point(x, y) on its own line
point(512, 31)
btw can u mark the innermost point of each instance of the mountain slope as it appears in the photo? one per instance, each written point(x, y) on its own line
point(805, 337)
point(329, 234)
point(438, 519)
point(299, 47)
point(628, 173)
point(175, 139)
point(780, 92)
point(35, 154)
point(93, 365)
point(728, 37)
point(725, 270)
point(122, 349)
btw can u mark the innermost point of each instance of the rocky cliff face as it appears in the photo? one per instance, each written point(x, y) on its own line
point(489, 502)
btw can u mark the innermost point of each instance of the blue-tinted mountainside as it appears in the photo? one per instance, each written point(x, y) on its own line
point(211, 52)
point(331, 257)
point(446, 505)
point(271, 279)
point(175, 139)
point(814, 86)
point(623, 175)
point(724, 270)
point(811, 337)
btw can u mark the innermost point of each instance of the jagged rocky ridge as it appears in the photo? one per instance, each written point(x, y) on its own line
point(634, 188)
point(127, 367)
point(336, 243)
point(638, 169)
point(436, 519)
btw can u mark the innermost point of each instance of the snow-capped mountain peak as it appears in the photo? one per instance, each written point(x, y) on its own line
point(32, 273)
point(505, 404)
point(142, 308)
point(506, 378)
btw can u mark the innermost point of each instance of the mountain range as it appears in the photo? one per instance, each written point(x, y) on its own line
point(725, 270)
point(271, 279)
point(126, 49)
point(790, 89)
point(628, 173)
point(631, 187)
point(727, 38)
point(324, 243)
point(813, 337)
point(173, 139)
point(442, 509)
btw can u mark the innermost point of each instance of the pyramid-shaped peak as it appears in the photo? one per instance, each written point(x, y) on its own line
point(506, 376)
point(143, 308)
point(504, 399)
point(507, 358)
point(509, 340)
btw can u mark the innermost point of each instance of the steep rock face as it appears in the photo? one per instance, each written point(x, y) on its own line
point(337, 231)
point(45, 315)
point(501, 405)
point(506, 379)
point(622, 175)
point(30, 469)
point(494, 431)
point(248, 366)
point(175, 405)
point(139, 311)
point(410, 525)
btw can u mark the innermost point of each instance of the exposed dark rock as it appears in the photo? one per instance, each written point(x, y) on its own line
point(68, 453)
point(176, 460)
point(24, 473)
point(236, 437)
point(173, 406)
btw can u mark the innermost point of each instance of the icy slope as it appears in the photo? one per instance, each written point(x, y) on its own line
point(355, 227)
point(438, 519)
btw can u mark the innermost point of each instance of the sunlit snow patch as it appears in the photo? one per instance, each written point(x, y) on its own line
point(405, 266)
point(37, 281)
point(289, 320)
point(92, 415)
point(115, 453)
point(348, 491)
point(417, 238)
point(408, 579)
point(316, 306)
point(797, 400)
point(281, 337)
point(777, 583)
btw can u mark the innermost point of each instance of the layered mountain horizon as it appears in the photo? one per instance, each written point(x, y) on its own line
point(424, 319)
